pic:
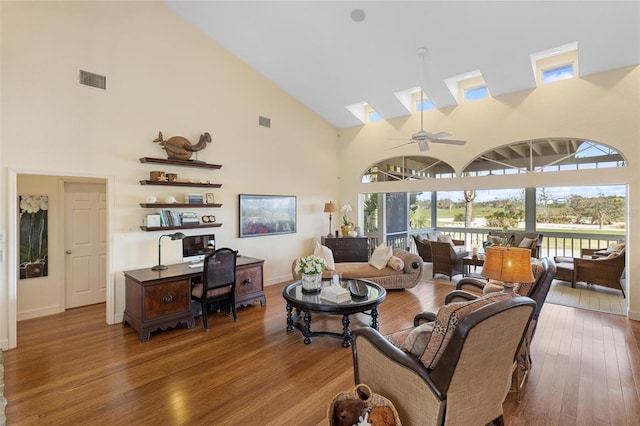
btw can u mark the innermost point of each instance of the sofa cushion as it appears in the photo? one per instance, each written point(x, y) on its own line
point(380, 256)
point(325, 253)
point(363, 270)
point(445, 239)
point(448, 318)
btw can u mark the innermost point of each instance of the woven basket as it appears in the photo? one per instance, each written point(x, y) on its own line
point(370, 399)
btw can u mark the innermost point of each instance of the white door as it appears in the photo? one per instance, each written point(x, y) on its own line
point(85, 243)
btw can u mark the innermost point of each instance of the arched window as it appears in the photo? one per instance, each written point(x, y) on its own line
point(545, 155)
point(407, 168)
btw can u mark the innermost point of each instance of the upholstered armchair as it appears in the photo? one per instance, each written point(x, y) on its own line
point(446, 260)
point(423, 246)
point(469, 381)
point(544, 271)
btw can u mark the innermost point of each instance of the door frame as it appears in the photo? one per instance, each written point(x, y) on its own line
point(12, 241)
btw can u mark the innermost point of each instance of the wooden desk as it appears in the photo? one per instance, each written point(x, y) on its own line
point(162, 299)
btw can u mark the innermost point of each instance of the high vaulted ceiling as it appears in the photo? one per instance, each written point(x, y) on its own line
point(316, 52)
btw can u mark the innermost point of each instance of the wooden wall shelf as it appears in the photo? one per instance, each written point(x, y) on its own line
point(192, 184)
point(169, 228)
point(179, 205)
point(181, 163)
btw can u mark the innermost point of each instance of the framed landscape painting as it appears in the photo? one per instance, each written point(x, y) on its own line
point(267, 215)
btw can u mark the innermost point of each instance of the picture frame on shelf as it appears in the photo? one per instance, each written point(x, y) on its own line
point(209, 198)
point(262, 215)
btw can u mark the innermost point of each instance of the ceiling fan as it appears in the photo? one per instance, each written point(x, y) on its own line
point(422, 137)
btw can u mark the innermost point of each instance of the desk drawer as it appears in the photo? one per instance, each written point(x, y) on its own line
point(248, 281)
point(165, 299)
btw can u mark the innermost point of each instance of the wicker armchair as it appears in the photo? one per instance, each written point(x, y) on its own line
point(454, 390)
point(446, 260)
point(424, 247)
point(606, 271)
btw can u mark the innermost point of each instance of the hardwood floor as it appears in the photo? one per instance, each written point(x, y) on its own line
point(73, 369)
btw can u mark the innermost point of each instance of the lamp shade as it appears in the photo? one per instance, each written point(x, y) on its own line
point(330, 207)
point(508, 264)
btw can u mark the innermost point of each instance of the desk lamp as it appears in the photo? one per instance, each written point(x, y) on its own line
point(509, 265)
point(176, 236)
point(330, 208)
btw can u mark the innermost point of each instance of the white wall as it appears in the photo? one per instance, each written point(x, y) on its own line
point(162, 75)
point(603, 108)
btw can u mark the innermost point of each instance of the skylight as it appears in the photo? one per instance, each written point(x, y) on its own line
point(424, 105)
point(475, 93)
point(557, 74)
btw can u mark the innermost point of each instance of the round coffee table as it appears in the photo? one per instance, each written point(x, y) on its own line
point(306, 303)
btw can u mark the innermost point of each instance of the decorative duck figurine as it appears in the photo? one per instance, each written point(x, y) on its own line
point(179, 148)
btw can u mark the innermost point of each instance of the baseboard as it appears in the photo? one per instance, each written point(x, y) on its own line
point(633, 315)
point(278, 280)
point(40, 312)
point(118, 318)
point(4, 344)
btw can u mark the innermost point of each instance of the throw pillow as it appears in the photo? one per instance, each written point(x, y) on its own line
point(395, 263)
point(619, 247)
point(380, 256)
point(527, 242)
point(417, 340)
point(325, 253)
point(448, 318)
point(494, 239)
point(445, 239)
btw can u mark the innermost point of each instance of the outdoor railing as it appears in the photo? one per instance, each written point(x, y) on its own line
point(554, 243)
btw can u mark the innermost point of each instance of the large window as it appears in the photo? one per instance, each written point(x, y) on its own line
point(407, 168)
point(545, 155)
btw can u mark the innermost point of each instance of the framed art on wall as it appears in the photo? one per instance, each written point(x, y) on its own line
point(34, 236)
point(266, 215)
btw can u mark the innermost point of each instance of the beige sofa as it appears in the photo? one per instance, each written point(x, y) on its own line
point(387, 277)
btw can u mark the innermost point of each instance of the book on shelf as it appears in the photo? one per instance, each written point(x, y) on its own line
point(194, 198)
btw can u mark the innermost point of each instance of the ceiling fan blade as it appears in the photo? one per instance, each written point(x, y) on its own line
point(449, 141)
point(439, 135)
point(424, 146)
point(398, 146)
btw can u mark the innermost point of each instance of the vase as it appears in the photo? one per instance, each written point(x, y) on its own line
point(346, 230)
point(34, 269)
point(311, 283)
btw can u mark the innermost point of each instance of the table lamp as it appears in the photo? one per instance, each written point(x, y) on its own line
point(330, 208)
point(176, 236)
point(509, 265)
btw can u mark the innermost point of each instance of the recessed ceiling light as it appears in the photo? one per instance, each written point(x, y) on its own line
point(358, 15)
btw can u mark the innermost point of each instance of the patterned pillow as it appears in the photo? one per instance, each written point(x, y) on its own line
point(449, 316)
point(395, 263)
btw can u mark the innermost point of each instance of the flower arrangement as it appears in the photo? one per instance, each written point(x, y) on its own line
point(310, 265)
point(345, 219)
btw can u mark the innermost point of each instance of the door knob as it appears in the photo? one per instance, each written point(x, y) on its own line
point(68, 251)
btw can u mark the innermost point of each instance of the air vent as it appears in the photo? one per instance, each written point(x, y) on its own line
point(94, 80)
point(264, 121)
